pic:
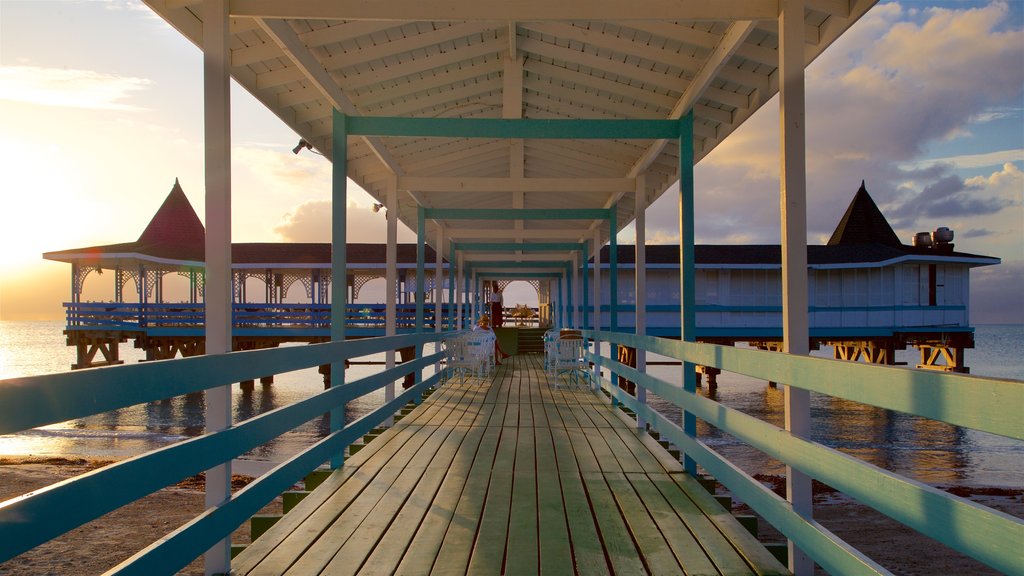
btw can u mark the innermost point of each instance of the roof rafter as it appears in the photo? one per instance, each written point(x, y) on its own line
point(502, 10)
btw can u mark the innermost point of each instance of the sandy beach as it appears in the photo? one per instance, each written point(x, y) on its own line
point(103, 543)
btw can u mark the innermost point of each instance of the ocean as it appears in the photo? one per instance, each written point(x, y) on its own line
point(928, 451)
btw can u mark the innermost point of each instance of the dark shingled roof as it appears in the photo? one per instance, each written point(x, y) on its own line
point(863, 223)
point(176, 233)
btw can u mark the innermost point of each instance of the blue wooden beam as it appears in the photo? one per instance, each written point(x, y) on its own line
point(514, 264)
point(687, 274)
point(574, 129)
point(521, 275)
point(524, 247)
point(517, 214)
point(339, 264)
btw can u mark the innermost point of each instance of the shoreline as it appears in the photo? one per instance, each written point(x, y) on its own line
point(101, 544)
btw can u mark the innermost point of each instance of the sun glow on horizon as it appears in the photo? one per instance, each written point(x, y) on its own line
point(42, 205)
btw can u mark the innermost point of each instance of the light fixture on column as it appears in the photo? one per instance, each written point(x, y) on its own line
point(377, 206)
point(302, 144)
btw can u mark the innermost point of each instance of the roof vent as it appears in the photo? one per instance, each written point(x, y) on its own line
point(922, 239)
point(942, 235)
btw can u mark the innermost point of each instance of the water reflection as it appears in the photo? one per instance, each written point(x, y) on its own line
point(926, 450)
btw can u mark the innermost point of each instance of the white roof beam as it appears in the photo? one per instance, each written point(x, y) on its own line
point(616, 67)
point(342, 31)
point(411, 66)
point(593, 37)
point(427, 101)
point(371, 98)
point(283, 34)
point(502, 10)
point(700, 86)
point(403, 45)
point(624, 91)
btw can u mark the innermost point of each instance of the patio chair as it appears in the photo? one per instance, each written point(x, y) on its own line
point(567, 361)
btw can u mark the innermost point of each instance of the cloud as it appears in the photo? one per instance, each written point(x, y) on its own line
point(985, 160)
point(311, 222)
point(890, 88)
point(995, 294)
point(976, 233)
point(69, 88)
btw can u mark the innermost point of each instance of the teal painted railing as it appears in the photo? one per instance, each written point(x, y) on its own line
point(986, 404)
point(32, 519)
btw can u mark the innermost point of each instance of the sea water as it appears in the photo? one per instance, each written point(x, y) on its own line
point(928, 451)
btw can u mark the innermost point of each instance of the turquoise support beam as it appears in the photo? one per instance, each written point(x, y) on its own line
point(520, 275)
point(613, 282)
point(687, 300)
point(586, 284)
point(521, 246)
point(339, 263)
point(568, 295)
point(517, 214)
point(613, 270)
point(514, 264)
point(452, 315)
point(421, 238)
point(575, 129)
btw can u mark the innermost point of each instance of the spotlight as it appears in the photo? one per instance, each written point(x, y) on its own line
point(377, 206)
point(302, 144)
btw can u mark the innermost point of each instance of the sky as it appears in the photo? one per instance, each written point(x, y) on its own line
point(101, 110)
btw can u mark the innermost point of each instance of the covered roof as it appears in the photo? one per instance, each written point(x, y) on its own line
point(176, 237)
point(770, 255)
point(863, 223)
point(533, 59)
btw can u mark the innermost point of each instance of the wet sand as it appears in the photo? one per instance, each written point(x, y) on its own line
point(103, 543)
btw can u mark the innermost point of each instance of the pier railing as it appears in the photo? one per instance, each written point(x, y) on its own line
point(32, 519)
point(986, 404)
point(246, 316)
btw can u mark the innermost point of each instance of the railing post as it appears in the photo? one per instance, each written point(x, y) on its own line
point(217, 135)
point(421, 237)
point(597, 305)
point(613, 287)
point(339, 262)
point(640, 285)
point(687, 324)
point(793, 207)
point(391, 283)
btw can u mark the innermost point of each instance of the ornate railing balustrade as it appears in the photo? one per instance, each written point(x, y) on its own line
point(32, 519)
point(185, 317)
point(987, 404)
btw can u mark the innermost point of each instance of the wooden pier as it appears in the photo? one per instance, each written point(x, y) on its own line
point(509, 475)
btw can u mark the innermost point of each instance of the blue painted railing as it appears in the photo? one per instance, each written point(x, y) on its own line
point(987, 404)
point(189, 318)
point(25, 403)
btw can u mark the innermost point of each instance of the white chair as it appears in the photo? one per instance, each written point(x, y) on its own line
point(550, 337)
point(469, 354)
point(567, 361)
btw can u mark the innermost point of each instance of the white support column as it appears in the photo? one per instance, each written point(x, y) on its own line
point(640, 279)
point(793, 208)
point(217, 128)
point(597, 300)
point(391, 283)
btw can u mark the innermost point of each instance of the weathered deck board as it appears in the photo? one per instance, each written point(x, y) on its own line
point(508, 475)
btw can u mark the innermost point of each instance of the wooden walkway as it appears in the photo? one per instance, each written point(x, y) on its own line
point(509, 476)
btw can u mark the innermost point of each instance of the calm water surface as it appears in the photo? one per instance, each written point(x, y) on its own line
point(929, 451)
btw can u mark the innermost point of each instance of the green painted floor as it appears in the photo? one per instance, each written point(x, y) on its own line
point(509, 475)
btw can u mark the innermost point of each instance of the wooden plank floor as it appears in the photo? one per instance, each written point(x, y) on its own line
point(509, 475)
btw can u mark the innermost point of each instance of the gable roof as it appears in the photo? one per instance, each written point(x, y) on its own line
point(863, 223)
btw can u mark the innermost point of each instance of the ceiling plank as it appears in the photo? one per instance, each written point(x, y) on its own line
point(502, 10)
